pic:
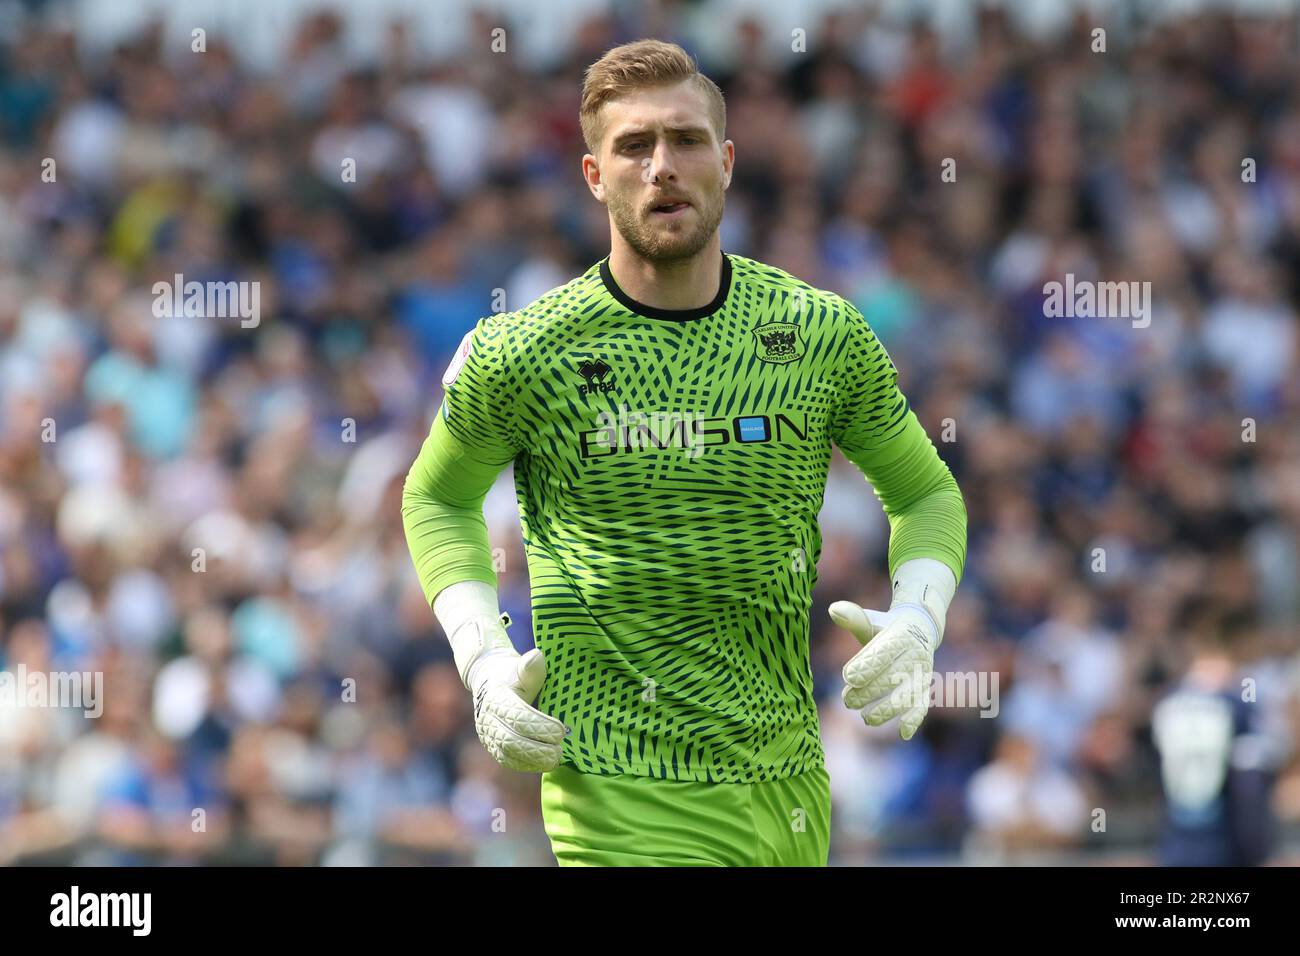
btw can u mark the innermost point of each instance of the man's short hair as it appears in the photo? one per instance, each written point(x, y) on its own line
point(637, 66)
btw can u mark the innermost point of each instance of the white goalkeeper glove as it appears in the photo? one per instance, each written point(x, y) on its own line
point(890, 677)
point(504, 682)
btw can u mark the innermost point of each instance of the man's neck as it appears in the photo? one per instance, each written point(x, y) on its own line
point(680, 284)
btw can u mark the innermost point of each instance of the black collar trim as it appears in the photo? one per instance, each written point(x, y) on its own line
point(673, 315)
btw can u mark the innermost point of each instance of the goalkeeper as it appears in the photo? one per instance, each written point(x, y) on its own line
point(669, 415)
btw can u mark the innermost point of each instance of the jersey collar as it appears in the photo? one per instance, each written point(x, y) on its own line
point(673, 315)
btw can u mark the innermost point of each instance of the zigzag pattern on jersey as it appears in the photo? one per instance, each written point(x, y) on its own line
point(671, 592)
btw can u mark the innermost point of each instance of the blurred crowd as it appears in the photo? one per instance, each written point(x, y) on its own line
point(207, 511)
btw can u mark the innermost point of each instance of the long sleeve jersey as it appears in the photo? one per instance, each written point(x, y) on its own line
point(670, 466)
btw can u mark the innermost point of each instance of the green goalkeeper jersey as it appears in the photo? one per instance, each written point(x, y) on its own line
point(670, 466)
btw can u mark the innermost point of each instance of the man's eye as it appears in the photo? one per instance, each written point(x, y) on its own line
point(632, 146)
point(689, 141)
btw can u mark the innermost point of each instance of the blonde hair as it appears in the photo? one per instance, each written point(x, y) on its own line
point(636, 66)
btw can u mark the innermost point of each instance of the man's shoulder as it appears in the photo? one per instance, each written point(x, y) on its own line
point(550, 312)
point(763, 278)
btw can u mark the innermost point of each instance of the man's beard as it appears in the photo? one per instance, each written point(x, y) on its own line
point(665, 244)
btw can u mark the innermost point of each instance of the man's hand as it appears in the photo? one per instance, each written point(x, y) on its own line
point(504, 684)
point(890, 676)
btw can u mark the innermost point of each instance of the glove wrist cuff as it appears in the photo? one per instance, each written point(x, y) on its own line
point(927, 585)
point(934, 633)
point(469, 614)
point(477, 639)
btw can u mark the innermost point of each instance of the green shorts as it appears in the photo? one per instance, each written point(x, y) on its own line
point(621, 820)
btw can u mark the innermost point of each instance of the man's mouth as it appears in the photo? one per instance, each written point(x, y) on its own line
point(671, 208)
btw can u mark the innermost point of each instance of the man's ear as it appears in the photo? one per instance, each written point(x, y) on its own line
point(590, 165)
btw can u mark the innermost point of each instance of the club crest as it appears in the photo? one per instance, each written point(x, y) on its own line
point(778, 342)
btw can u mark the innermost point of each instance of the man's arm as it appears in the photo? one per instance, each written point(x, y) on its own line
point(920, 497)
point(468, 446)
point(442, 512)
point(876, 429)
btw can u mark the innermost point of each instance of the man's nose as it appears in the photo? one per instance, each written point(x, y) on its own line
point(661, 167)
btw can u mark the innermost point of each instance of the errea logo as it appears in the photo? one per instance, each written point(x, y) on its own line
point(597, 377)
